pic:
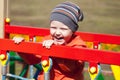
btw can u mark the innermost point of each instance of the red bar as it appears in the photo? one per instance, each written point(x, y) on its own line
point(102, 38)
point(26, 30)
point(86, 36)
point(90, 55)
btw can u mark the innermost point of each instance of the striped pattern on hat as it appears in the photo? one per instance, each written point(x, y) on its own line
point(69, 9)
point(67, 13)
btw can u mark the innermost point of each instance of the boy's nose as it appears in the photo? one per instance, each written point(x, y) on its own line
point(57, 32)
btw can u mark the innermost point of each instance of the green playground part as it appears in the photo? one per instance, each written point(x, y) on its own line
point(38, 66)
point(100, 77)
point(24, 70)
point(12, 65)
point(13, 58)
point(16, 58)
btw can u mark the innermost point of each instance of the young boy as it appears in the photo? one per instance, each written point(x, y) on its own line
point(63, 25)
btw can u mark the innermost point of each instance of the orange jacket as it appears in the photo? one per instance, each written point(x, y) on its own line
point(66, 69)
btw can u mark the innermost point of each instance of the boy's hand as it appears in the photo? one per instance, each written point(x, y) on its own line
point(47, 43)
point(17, 40)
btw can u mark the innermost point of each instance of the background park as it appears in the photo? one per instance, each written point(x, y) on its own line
point(100, 16)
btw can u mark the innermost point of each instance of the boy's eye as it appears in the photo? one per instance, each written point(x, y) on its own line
point(59, 28)
point(53, 27)
point(64, 29)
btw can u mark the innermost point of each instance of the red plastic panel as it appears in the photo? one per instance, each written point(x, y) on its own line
point(86, 36)
point(90, 55)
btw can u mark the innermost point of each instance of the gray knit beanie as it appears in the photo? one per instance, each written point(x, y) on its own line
point(68, 13)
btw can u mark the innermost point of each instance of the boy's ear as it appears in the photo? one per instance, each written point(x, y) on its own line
point(81, 17)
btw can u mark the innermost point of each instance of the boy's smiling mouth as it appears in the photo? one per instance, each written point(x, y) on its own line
point(59, 40)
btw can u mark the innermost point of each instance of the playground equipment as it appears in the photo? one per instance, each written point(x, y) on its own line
point(30, 47)
point(85, 54)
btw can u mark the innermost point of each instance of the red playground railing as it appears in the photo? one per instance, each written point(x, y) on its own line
point(95, 56)
point(90, 55)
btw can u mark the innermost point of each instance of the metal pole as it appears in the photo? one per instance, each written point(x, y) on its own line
point(47, 76)
point(31, 71)
point(2, 18)
point(18, 77)
point(2, 3)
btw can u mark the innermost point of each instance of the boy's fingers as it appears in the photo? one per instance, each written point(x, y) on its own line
point(47, 43)
point(43, 44)
point(17, 40)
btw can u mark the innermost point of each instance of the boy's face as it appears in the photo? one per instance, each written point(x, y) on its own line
point(61, 33)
